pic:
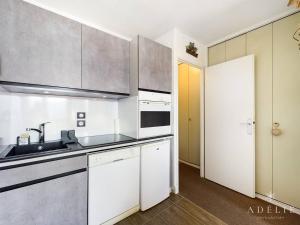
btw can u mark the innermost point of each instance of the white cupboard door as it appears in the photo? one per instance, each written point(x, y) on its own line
point(155, 173)
point(229, 130)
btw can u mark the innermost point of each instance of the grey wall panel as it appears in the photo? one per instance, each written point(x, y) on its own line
point(38, 47)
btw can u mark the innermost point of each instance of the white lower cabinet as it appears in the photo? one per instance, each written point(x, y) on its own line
point(155, 173)
point(123, 181)
point(114, 185)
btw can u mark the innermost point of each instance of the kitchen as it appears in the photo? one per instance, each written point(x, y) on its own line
point(43, 160)
point(89, 131)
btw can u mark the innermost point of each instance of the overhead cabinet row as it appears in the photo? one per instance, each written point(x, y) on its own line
point(43, 48)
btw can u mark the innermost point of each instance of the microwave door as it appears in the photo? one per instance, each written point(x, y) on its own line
point(155, 119)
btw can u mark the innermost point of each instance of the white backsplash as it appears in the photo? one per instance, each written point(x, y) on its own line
point(21, 111)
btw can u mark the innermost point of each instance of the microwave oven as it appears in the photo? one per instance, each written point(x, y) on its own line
point(154, 114)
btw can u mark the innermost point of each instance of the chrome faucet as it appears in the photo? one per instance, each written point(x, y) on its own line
point(41, 131)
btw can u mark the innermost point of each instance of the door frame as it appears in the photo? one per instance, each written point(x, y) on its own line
point(202, 105)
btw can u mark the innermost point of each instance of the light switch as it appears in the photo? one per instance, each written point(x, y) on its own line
point(80, 123)
point(80, 115)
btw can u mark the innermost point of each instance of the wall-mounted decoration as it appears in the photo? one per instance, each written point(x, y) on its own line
point(295, 3)
point(296, 37)
point(192, 50)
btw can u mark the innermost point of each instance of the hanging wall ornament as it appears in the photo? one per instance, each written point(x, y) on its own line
point(192, 50)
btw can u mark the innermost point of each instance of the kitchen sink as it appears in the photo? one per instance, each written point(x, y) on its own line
point(36, 148)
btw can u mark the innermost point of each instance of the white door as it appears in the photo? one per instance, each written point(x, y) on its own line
point(229, 129)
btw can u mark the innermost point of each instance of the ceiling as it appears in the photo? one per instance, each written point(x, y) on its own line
point(204, 20)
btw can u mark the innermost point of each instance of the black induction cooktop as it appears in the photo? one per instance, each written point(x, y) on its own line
point(102, 140)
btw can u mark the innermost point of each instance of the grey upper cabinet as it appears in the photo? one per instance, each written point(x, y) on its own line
point(154, 65)
point(38, 47)
point(105, 61)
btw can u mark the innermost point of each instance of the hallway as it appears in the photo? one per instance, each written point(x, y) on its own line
point(230, 206)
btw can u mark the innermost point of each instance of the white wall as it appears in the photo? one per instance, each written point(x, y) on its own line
point(21, 111)
point(177, 40)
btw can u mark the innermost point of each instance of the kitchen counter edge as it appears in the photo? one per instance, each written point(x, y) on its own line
point(75, 150)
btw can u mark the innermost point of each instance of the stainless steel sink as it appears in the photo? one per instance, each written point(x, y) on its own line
point(35, 148)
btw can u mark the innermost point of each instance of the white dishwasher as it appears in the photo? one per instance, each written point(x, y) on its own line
point(114, 182)
point(155, 173)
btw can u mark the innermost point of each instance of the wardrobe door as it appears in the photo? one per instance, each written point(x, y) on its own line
point(259, 43)
point(286, 109)
point(217, 54)
point(194, 115)
point(183, 88)
point(236, 48)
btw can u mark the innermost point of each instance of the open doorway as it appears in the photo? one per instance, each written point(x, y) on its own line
point(189, 115)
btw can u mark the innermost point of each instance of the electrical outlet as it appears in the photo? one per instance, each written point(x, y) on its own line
point(80, 123)
point(81, 115)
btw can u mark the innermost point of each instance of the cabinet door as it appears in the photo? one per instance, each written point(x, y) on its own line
point(155, 173)
point(58, 201)
point(183, 108)
point(105, 61)
point(120, 192)
point(155, 66)
point(236, 48)
point(217, 54)
point(38, 47)
point(37, 171)
point(259, 43)
point(194, 115)
point(286, 109)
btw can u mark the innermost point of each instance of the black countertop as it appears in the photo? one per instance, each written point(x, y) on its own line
point(101, 140)
point(85, 143)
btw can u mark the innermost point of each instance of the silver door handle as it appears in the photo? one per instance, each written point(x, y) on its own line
point(250, 123)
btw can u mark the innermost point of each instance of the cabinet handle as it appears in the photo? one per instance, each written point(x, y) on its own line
point(275, 129)
point(118, 160)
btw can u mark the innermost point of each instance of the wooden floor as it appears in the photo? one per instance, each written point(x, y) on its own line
point(202, 202)
point(176, 210)
point(230, 206)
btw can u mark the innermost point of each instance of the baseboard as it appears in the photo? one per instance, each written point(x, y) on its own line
point(189, 164)
point(122, 216)
point(174, 189)
point(278, 203)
